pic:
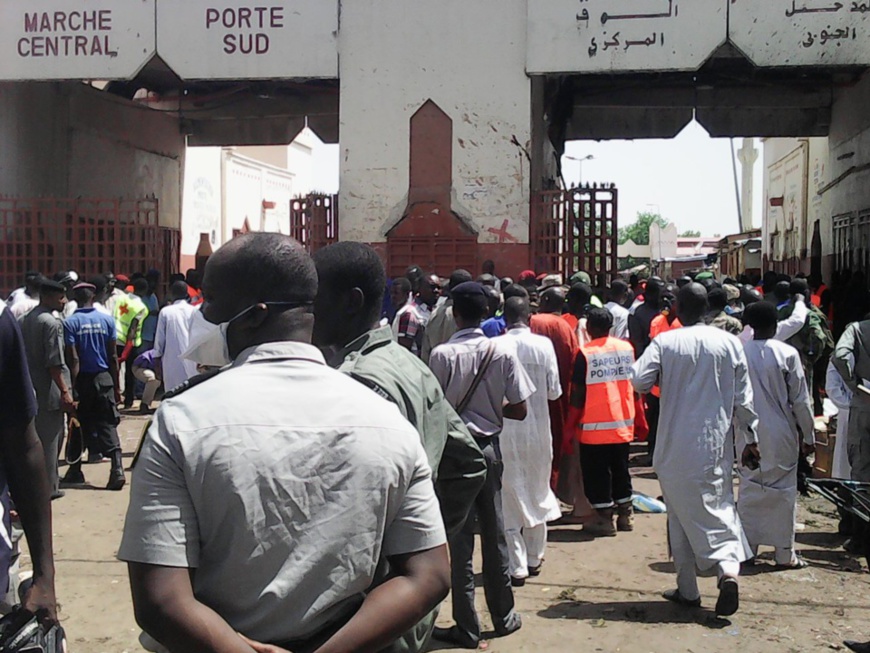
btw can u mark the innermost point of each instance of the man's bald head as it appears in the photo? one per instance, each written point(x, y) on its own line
point(517, 311)
point(691, 303)
point(260, 267)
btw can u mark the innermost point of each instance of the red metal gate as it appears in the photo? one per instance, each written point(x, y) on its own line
point(575, 230)
point(314, 221)
point(90, 236)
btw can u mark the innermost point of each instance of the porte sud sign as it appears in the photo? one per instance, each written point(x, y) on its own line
point(241, 21)
point(67, 34)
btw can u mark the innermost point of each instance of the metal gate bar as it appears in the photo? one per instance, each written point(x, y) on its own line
point(314, 221)
point(90, 236)
point(576, 230)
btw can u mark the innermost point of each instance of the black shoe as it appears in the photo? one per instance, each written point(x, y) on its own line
point(858, 647)
point(674, 596)
point(517, 582)
point(729, 597)
point(515, 622)
point(117, 480)
point(60, 494)
point(853, 546)
point(96, 459)
point(454, 636)
point(535, 571)
point(73, 476)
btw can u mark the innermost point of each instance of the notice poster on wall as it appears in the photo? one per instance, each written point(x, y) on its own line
point(590, 36)
point(801, 32)
point(248, 39)
point(84, 39)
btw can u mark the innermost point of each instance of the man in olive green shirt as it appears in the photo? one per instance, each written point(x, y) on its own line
point(347, 311)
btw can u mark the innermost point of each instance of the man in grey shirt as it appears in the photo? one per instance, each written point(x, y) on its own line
point(264, 497)
point(479, 376)
point(852, 360)
point(43, 343)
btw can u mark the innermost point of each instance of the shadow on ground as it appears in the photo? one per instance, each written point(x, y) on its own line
point(645, 612)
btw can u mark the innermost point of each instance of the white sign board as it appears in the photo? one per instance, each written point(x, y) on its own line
point(802, 32)
point(84, 39)
point(600, 36)
point(248, 39)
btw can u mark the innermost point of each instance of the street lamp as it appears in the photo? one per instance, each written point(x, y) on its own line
point(580, 161)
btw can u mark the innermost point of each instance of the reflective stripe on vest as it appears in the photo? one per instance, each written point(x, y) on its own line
point(608, 426)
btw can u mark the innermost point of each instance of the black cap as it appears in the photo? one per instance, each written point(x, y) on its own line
point(468, 289)
point(51, 286)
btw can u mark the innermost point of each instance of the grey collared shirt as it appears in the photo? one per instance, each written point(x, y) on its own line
point(455, 364)
point(281, 482)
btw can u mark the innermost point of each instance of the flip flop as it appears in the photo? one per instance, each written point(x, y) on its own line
point(800, 563)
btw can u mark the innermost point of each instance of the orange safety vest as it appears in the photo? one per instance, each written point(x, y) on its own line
point(657, 326)
point(608, 417)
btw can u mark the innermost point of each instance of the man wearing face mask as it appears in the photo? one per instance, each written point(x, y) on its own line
point(263, 498)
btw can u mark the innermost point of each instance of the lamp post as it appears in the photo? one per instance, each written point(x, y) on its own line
point(580, 161)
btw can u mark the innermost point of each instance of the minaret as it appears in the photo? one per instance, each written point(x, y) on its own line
point(748, 155)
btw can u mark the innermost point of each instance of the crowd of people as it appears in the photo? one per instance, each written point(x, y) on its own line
point(329, 442)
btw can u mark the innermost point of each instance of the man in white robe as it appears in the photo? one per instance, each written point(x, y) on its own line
point(527, 450)
point(705, 387)
point(767, 502)
point(173, 337)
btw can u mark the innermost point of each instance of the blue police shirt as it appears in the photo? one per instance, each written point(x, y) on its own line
point(90, 332)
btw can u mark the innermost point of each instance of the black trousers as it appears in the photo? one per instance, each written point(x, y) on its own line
point(653, 409)
point(97, 412)
point(129, 378)
point(606, 478)
point(487, 509)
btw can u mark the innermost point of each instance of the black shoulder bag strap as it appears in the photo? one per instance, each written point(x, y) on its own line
point(481, 372)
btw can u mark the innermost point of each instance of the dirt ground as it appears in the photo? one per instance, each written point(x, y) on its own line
point(600, 595)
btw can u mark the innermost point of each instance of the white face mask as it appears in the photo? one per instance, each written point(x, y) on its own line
point(208, 342)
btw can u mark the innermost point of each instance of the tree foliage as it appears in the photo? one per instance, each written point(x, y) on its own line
point(639, 231)
point(690, 234)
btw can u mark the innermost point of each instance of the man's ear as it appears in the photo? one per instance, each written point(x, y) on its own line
point(355, 301)
point(256, 316)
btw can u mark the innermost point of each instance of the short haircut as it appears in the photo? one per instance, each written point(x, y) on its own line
point(580, 292)
point(458, 277)
point(470, 307)
point(99, 282)
point(348, 265)
point(515, 290)
point(717, 299)
point(599, 320)
point(618, 289)
point(761, 316)
point(799, 286)
point(178, 290)
point(487, 280)
point(140, 286)
point(399, 282)
point(782, 290)
point(516, 309)
point(266, 267)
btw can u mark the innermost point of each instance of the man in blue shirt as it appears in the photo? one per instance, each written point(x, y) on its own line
point(89, 336)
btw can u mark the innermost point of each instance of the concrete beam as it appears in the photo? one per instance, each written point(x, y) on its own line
point(626, 122)
point(764, 122)
point(261, 131)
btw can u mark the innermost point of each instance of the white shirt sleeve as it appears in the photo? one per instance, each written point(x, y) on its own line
point(161, 527)
point(646, 371)
point(418, 525)
point(794, 323)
